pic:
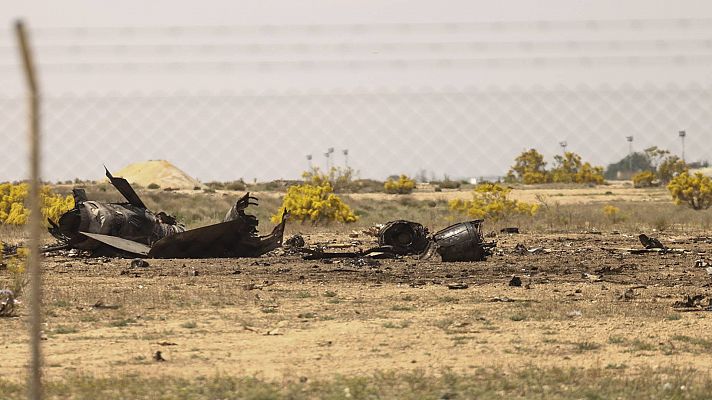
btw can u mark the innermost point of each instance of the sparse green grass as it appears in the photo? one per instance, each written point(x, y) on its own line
point(119, 323)
point(582, 347)
point(401, 307)
point(449, 299)
point(616, 339)
point(705, 344)
point(61, 303)
point(526, 383)
point(189, 325)
point(65, 329)
point(397, 325)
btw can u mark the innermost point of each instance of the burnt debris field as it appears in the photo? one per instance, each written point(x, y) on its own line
point(549, 315)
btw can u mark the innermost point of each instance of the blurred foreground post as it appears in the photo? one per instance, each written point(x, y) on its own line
point(34, 223)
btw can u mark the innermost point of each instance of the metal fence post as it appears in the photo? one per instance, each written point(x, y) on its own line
point(34, 223)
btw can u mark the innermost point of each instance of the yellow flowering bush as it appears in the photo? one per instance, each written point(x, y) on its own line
point(644, 179)
point(402, 185)
point(14, 196)
point(613, 213)
point(694, 190)
point(489, 200)
point(315, 203)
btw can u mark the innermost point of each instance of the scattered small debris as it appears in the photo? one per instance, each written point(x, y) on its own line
point(592, 277)
point(515, 281)
point(610, 270)
point(167, 344)
point(574, 314)
point(510, 230)
point(99, 305)
point(501, 299)
point(701, 263)
point(139, 263)
point(521, 249)
point(456, 286)
point(693, 303)
point(629, 294)
point(258, 286)
point(364, 262)
point(296, 240)
point(158, 357)
point(650, 242)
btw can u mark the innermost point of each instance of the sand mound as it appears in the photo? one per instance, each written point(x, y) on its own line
point(160, 172)
point(705, 171)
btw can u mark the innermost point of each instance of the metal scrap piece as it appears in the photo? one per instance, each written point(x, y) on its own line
point(235, 238)
point(405, 237)
point(462, 242)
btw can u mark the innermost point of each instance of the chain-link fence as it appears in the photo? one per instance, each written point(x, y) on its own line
point(461, 133)
point(456, 99)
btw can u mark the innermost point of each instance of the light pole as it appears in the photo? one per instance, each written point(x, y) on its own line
point(309, 162)
point(328, 154)
point(563, 145)
point(346, 158)
point(630, 153)
point(682, 135)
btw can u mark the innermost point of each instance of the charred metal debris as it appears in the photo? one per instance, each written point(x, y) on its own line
point(130, 229)
point(460, 242)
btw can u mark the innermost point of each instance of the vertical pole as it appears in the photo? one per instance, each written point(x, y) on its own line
point(630, 153)
point(34, 224)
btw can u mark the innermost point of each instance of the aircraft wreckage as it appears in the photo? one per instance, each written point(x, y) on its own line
point(131, 229)
point(460, 242)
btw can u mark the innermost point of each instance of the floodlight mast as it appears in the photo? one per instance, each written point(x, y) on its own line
point(309, 162)
point(346, 158)
point(563, 145)
point(682, 135)
point(328, 154)
point(630, 153)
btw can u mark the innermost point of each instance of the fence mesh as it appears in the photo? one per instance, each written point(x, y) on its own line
point(465, 133)
point(456, 99)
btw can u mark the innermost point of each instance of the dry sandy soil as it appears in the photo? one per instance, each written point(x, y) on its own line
point(282, 318)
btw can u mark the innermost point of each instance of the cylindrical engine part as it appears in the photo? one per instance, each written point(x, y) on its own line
point(461, 242)
point(405, 237)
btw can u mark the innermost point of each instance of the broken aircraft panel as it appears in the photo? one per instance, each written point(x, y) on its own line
point(132, 229)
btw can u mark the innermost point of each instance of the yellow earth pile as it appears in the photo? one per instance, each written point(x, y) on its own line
point(160, 172)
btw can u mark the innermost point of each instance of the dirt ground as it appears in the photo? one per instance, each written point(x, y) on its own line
point(283, 318)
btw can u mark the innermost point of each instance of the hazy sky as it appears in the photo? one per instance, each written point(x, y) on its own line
point(229, 89)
